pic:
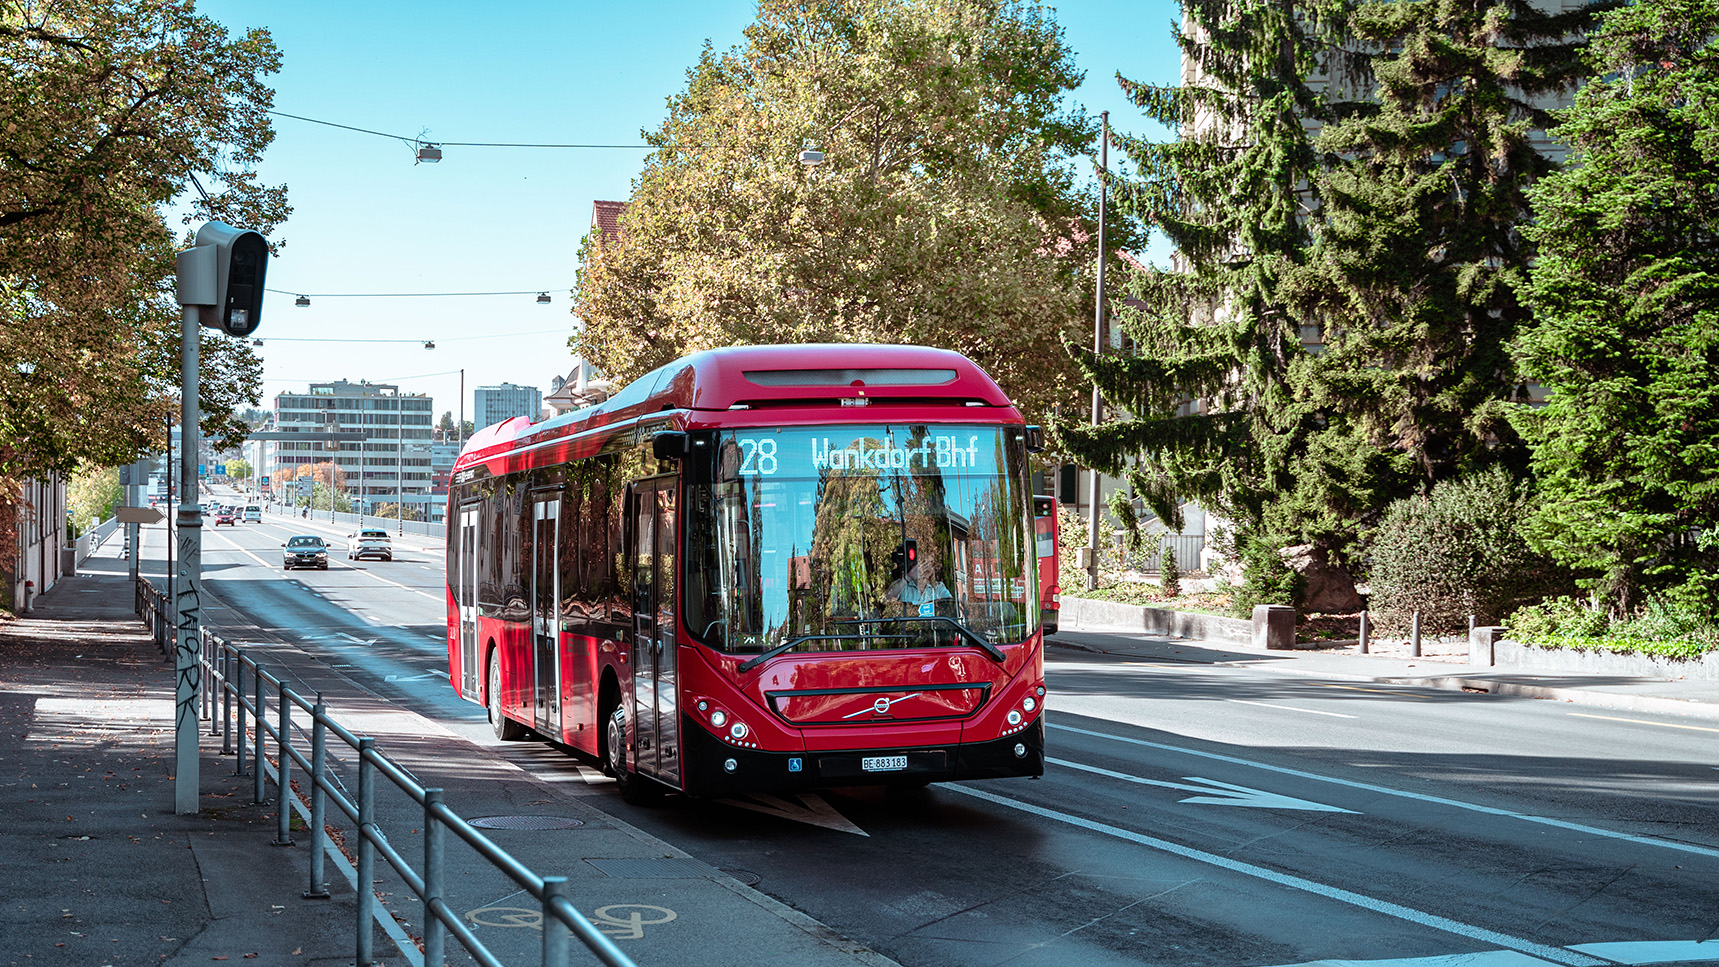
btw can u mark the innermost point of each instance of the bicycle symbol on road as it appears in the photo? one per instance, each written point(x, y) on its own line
point(618, 921)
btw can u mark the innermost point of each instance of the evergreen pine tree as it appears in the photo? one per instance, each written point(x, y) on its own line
point(1626, 295)
point(1419, 246)
point(1206, 413)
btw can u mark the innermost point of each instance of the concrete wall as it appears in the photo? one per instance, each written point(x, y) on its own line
point(1081, 614)
point(1515, 654)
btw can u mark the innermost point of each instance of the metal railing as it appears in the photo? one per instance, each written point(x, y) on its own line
point(151, 605)
point(248, 695)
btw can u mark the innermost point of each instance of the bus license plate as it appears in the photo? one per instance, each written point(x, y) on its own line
point(883, 763)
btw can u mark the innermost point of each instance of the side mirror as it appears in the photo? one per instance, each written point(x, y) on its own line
point(1035, 438)
point(669, 445)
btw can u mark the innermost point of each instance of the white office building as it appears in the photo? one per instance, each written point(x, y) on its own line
point(493, 404)
point(386, 459)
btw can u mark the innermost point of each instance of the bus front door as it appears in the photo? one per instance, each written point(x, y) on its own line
point(466, 595)
point(656, 741)
point(545, 615)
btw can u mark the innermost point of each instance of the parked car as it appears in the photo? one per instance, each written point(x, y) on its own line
point(370, 542)
point(253, 514)
point(305, 550)
point(223, 515)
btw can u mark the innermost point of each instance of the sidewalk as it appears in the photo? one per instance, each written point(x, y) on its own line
point(102, 871)
point(1442, 665)
point(100, 868)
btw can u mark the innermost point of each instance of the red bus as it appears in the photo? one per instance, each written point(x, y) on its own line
point(1046, 531)
point(759, 568)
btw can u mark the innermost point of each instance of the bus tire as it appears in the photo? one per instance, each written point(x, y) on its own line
point(635, 789)
point(506, 729)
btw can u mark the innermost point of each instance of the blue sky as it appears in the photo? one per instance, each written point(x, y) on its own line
point(366, 219)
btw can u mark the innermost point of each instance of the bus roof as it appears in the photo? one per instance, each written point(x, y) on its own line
point(760, 376)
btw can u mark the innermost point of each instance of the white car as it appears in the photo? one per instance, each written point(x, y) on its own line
point(253, 514)
point(370, 542)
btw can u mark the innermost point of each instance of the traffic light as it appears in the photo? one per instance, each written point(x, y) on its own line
point(903, 558)
point(225, 272)
point(241, 261)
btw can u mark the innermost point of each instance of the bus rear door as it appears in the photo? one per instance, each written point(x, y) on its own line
point(545, 614)
point(467, 596)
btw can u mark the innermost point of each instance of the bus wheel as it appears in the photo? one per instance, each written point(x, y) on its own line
point(635, 789)
point(505, 728)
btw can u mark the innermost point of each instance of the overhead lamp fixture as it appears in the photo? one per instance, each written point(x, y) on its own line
point(429, 344)
point(301, 301)
point(810, 156)
point(429, 153)
point(543, 298)
point(256, 342)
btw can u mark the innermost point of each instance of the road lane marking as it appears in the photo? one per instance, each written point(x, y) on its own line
point(1357, 688)
point(1361, 900)
point(1420, 797)
point(1663, 725)
point(1642, 952)
point(1213, 793)
point(1291, 708)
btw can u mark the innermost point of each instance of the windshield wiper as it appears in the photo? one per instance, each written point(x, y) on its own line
point(788, 645)
point(965, 632)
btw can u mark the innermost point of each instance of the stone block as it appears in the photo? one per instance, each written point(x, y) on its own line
point(1274, 626)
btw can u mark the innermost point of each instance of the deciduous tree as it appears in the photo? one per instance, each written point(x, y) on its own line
point(108, 108)
point(944, 212)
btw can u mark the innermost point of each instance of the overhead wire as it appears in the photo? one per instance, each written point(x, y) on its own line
point(456, 144)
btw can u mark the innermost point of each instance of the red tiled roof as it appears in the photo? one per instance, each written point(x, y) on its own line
point(606, 216)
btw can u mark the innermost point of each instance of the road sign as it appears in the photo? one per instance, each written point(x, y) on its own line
point(265, 479)
point(220, 470)
point(202, 469)
point(137, 515)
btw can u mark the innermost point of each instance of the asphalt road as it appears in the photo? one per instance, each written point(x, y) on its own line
point(1198, 811)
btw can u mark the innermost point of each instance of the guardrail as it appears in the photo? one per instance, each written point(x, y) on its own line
point(242, 722)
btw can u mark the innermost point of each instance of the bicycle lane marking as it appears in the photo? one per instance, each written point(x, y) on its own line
point(1547, 952)
point(1403, 793)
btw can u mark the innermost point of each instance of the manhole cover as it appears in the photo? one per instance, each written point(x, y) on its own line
point(746, 877)
point(525, 822)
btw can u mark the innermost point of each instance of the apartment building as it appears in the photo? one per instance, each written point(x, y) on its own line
point(386, 457)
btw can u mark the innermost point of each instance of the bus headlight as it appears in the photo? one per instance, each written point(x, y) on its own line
point(1014, 716)
point(1029, 703)
point(719, 718)
point(738, 730)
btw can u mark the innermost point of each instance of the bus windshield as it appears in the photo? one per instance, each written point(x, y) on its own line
point(846, 538)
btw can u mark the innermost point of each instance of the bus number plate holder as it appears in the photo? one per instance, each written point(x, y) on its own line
point(883, 763)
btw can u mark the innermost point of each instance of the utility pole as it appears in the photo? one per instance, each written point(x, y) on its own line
point(222, 274)
point(1098, 343)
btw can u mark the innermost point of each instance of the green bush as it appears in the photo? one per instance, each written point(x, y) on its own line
point(1266, 579)
point(1169, 572)
point(1455, 552)
point(1662, 627)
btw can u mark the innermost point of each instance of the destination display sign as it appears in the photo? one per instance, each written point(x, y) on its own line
point(812, 453)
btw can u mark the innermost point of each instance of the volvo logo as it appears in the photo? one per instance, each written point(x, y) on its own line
point(881, 706)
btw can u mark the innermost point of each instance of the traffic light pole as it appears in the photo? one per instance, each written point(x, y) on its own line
point(188, 589)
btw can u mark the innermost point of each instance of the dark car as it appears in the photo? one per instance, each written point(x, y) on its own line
point(305, 550)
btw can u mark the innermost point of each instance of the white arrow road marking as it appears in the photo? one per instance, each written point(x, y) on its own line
point(1213, 792)
point(362, 641)
point(1419, 797)
point(810, 808)
point(1639, 952)
point(1410, 914)
point(414, 678)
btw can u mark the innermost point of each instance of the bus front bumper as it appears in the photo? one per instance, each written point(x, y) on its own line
point(715, 768)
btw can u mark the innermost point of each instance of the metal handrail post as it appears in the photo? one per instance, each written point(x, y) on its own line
point(366, 872)
point(226, 700)
point(260, 706)
point(239, 687)
point(318, 775)
point(283, 774)
point(206, 663)
point(435, 932)
point(557, 939)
